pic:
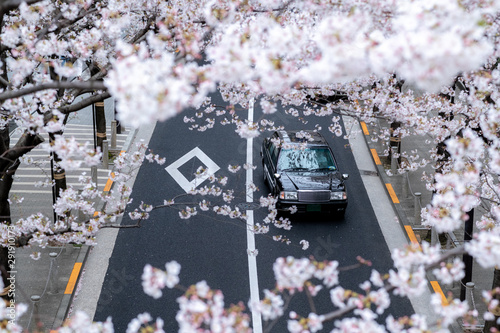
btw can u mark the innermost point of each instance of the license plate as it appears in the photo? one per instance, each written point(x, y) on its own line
point(313, 208)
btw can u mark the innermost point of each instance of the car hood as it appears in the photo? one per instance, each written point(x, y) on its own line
point(303, 180)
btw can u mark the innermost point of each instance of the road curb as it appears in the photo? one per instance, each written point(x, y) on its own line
point(384, 180)
point(70, 289)
point(67, 299)
point(433, 286)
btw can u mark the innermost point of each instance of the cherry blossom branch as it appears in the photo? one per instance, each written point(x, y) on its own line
point(341, 312)
point(43, 32)
point(492, 188)
point(8, 5)
point(62, 24)
point(143, 213)
point(389, 288)
point(269, 325)
point(84, 103)
point(25, 144)
point(92, 85)
point(310, 300)
point(140, 220)
point(4, 82)
point(126, 226)
point(13, 157)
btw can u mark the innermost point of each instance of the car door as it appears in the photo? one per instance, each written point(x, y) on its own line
point(270, 161)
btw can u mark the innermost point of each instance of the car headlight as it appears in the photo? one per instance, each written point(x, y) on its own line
point(338, 196)
point(284, 195)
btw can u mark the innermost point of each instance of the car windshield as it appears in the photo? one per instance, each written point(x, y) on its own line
point(306, 159)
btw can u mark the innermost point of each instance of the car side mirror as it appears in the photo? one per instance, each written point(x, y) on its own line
point(345, 176)
point(277, 175)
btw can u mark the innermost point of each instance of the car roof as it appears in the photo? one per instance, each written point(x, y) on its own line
point(314, 138)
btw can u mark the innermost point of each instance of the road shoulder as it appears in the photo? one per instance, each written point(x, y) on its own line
point(387, 217)
point(94, 272)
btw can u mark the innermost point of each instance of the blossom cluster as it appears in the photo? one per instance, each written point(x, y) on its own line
point(427, 66)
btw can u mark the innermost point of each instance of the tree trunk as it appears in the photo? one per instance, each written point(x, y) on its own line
point(5, 186)
point(467, 258)
point(9, 162)
point(395, 141)
point(118, 123)
point(58, 174)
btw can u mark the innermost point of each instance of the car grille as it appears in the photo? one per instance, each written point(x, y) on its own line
point(314, 196)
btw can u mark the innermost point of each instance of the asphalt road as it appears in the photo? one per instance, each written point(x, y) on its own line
point(214, 248)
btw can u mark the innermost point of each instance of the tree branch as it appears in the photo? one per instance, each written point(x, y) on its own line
point(7, 5)
point(4, 82)
point(451, 253)
point(92, 85)
point(66, 23)
point(84, 103)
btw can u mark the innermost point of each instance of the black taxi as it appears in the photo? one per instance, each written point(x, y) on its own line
point(300, 169)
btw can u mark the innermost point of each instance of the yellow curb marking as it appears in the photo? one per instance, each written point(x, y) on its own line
point(365, 128)
point(111, 177)
point(109, 183)
point(437, 289)
point(411, 234)
point(393, 195)
point(73, 277)
point(375, 157)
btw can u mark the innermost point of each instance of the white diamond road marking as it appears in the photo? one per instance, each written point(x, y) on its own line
point(173, 169)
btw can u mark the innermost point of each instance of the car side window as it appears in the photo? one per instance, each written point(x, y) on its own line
point(273, 151)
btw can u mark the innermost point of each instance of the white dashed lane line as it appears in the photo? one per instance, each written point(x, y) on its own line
point(252, 259)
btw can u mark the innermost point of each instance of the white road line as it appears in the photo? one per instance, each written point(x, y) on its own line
point(100, 176)
point(252, 259)
point(68, 183)
point(72, 170)
point(173, 169)
point(31, 191)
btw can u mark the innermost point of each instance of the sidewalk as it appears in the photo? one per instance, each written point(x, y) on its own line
point(409, 195)
point(52, 278)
